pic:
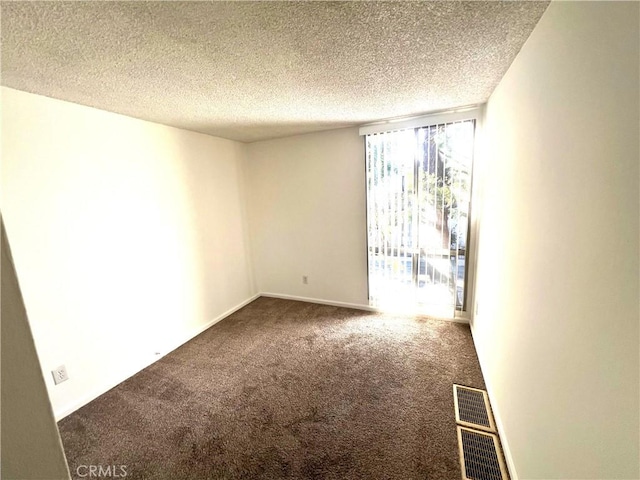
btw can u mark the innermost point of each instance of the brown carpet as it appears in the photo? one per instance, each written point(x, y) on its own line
point(285, 389)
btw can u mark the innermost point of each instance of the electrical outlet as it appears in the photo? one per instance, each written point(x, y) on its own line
point(305, 279)
point(477, 307)
point(60, 374)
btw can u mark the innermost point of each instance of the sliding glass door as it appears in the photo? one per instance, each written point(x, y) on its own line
point(418, 204)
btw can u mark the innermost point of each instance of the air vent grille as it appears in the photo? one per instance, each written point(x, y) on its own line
point(480, 456)
point(472, 408)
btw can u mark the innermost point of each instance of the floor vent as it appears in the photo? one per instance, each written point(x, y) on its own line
point(472, 408)
point(480, 456)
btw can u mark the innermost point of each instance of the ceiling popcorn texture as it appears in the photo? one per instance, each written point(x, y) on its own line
point(249, 71)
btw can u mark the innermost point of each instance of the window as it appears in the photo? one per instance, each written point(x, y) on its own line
point(418, 206)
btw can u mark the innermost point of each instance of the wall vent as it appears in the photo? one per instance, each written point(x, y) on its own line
point(480, 456)
point(472, 408)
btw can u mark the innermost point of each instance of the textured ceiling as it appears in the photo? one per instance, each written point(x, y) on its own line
point(255, 70)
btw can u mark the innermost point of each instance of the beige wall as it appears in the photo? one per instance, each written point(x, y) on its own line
point(306, 197)
point(128, 237)
point(557, 329)
point(31, 447)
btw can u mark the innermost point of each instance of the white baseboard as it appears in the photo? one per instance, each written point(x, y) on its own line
point(357, 306)
point(144, 363)
point(68, 409)
point(197, 331)
point(504, 441)
point(319, 301)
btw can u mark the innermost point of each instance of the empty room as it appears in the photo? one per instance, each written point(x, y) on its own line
point(320, 240)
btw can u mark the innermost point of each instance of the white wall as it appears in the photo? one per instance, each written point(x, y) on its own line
point(307, 215)
point(31, 446)
point(128, 236)
point(557, 330)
